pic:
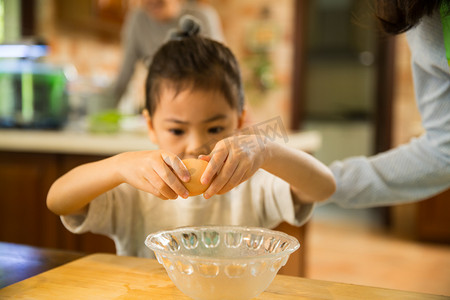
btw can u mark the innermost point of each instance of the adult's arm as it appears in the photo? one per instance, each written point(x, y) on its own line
point(421, 168)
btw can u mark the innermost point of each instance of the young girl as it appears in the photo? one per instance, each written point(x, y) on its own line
point(194, 107)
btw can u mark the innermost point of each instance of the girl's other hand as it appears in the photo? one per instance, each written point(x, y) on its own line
point(156, 172)
point(233, 161)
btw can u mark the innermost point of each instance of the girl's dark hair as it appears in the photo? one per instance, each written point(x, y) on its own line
point(191, 61)
point(397, 16)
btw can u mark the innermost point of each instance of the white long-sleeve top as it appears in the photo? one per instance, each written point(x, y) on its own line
point(421, 168)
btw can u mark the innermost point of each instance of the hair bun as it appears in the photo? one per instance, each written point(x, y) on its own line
point(187, 26)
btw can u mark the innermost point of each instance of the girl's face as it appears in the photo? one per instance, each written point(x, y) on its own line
point(192, 122)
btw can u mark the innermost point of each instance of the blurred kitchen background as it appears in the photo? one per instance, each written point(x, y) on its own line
point(320, 65)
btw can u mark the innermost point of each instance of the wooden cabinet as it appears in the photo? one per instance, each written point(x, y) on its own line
point(426, 221)
point(25, 179)
point(23, 183)
point(433, 221)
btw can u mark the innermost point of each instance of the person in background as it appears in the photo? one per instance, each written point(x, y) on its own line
point(146, 28)
point(194, 107)
point(421, 168)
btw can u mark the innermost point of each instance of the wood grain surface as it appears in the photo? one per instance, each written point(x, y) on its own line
point(107, 276)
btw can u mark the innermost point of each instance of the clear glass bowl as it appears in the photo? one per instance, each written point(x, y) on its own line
point(222, 262)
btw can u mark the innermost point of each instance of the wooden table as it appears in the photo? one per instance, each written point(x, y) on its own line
point(107, 276)
point(19, 262)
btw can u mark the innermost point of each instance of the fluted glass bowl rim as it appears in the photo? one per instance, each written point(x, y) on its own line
point(294, 244)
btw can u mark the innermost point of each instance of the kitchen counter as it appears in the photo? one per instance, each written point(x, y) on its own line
point(72, 142)
point(80, 142)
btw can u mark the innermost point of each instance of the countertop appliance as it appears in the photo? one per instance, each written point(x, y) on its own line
point(33, 93)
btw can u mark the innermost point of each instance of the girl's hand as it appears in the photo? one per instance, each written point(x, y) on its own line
point(156, 172)
point(233, 161)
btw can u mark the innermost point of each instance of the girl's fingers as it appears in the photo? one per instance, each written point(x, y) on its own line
point(216, 161)
point(149, 188)
point(225, 175)
point(158, 182)
point(237, 178)
point(177, 166)
point(162, 186)
point(170, 186)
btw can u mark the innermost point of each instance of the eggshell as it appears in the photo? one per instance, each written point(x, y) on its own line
point(196, 167)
